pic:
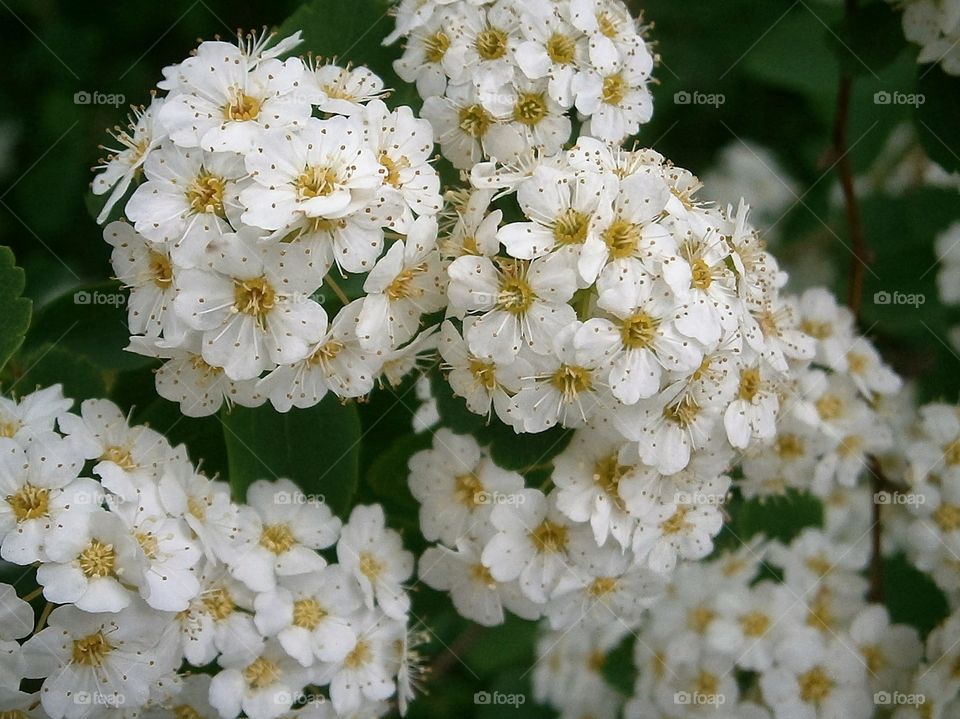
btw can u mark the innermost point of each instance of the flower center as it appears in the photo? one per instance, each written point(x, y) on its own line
point(639, 331)
point(261, 674)
point(789, 446)
point(277, 538)
point(185, 711)
point(491, 43)
point(29, 502)
point(435, 46)
point(485, 373)
point(571, 381)
point(857, 363)
point(120, 456)
point(549, 538)
point(683, 413)
point(359, 656)
point(149, 544)
point(242, 107)
point(9, 429)
point(482, 576)
point(91, 650)
point(829, 407)
point(205, 194)
point(160, 269)
point(394, 168)
point(370, 566)
point(608, 25)
point(403, 286)
point(561, 48)
point(702, 276)
point(530, 108)
point(515, 295)
point(850, 446)
point(819, 565)
point(749, 384)
point(699, 618)
point(474, 120)
point(815, 685)
point(947, 517)
point(97, 560)
point(818, 330)
point(307, 613)
point(467, 487)
point(602, 586)
point(326, 352)
point(607, 473)
point(876, 660)
point(614, 89)
point(254, 297)
point(677, 522)
point(951, 453)
point(218, 603)
point(622, 238)
point(571, 227)
point(706, 685)
point(755, 624)
point(318, 181)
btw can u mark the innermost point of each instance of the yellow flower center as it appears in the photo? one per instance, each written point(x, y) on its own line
point(160, 269)
point(467, 487)
point(120, 456)
point(875, 659)
point(29, 502)
point(702, 276)
point(261, 673)
point(185, 711)
point(677, 522)
point(683, 413)
point(255, 297)
point(491, 43)
point(370, 566)
point(638, 331)
point(403, 287)
point(607, 473)
point(815, 685)
point(91, 650)
point(435, 46)
point(549, 538)
point(307, 613)
point(359, 656)
point(218, 603)
point(97, 560)
point(205, 194)
point(571, 381)
point(622, 238)
point(530, 108)
point(755, 624)
point(561, 49)
point(951, 453)
point(318, 181)
point(789, 446)
point(947, 517)
point(393, 167)
point(571, 227)
point(277, 538)
point(614, 89)
point(326, 352)
point(481, 575)
point(699, 618)
point(818, 330)
point(474, 120)
point(515, 294)
point(749, 384)
point(485, 373)
point(242, 107)
point(829, 407)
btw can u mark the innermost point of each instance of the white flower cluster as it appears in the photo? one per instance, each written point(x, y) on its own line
point(153, 574)
point(260, 184)
point(501, 77)
point(947, 248)
point(733, 642)
point(934, 25)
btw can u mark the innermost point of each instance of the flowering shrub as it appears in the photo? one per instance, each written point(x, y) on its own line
point(613, 452)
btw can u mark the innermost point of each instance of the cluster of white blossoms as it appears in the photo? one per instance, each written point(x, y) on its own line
point(163, 597)
point(770, 630)
point(502, 77)
point(261, 186)
point(934, 25)
point(947, 248)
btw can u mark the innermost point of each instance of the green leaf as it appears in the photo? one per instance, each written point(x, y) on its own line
point(49, 365)
point(318, 448)
point(523, 452)
point(453, 410)
point(202, 436)
point(618, 668)
point(869, 40)
point(14, 309)
point(912, 597)
point(387, 478)
point(937, 116)
point(90, 322)
point(350, 31)
point(780, 518)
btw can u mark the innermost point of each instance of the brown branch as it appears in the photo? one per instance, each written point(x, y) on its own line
point(862, 257)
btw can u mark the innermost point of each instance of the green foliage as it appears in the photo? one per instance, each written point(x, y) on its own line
point(318, 448)
point(14, 309)
point(912, 597)
point(937, 116)
point(869, 39)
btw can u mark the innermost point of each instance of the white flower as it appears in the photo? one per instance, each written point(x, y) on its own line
point(407, 283)
point(93, 566)
point(947, 246)
point(374, 555)
point(433, 52)
point(889, 650)
point(223, 98)
point(33, 413)
point(336, 363)
point(123, 164)
point(255, 310)
point(343, 91)
point(530, 119)
point(281, 535)
point(475, 594)
point(310, 615)
point(263, 688)
point(461, 124)
point(43, 500)
point(110, 659)
point(521, 302)
point(753, 414)
point(749, 623)
point(457, 487)
point(553, 48)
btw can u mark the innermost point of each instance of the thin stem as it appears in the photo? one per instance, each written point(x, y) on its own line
point(858, 266)
point(341, 295)
point(44, 615)
point(33, 595)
